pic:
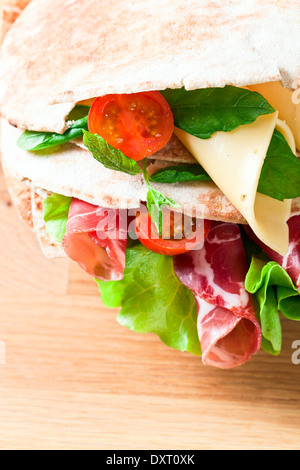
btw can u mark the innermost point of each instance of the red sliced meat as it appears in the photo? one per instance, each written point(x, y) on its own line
point(96, 238)
point(291, 261)
point(228, 330)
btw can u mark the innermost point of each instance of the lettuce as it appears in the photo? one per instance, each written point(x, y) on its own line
point(56, 211)
point(154, 300)
point(274, 292)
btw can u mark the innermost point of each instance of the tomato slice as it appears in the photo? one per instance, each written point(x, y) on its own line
point(176, 237)
point(138, 124)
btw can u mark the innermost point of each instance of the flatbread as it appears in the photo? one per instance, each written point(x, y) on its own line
point(9, 12)
point(19, 192)
point(7, 17)
point(79, 49)
point(20, 4)
point(49, 246)
point(29, 207)
point(174, 151)
point(72, 171)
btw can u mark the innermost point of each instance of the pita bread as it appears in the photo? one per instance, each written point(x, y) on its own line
point(32, 213)
point(79, 49)
point(72, 171)
point(205, 44)
point(7, 17)
point(20, 4)
point(9, 12)
point(29, 207)
point(49, 246)
point(174, 151)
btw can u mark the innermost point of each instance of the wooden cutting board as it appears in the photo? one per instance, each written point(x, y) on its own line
point(73, 378)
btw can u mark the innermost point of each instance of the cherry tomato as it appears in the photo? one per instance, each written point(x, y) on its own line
point(138, 124)
point(176, 237)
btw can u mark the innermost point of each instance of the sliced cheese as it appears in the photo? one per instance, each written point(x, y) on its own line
point(283, 100)
point(234, 161)
point(284, 129)
point(86, 102)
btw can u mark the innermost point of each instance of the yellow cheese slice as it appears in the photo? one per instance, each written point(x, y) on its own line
point(284, 129)
point(87, 102)
point(234, 161)
point(284, 102)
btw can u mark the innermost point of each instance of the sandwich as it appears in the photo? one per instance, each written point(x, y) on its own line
point(156, 145)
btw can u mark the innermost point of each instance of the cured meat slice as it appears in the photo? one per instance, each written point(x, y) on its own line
point(96, 238)
point(228, 330)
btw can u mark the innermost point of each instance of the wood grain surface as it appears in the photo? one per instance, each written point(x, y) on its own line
point(73, 378)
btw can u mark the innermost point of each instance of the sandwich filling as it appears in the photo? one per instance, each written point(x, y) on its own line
point(203, 285)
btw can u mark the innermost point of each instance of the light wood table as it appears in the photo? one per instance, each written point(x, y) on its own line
point(75, 379)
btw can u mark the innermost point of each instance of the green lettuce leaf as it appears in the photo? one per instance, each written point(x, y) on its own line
point(280, 160)
point(110, 157)
point(56, 211)
point(153, 300)
point(34, 141)
point(274, 292)
point(206, 111)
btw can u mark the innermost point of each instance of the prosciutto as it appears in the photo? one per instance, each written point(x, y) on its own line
point(291, 261)
point(228, 330)
point(96, 238)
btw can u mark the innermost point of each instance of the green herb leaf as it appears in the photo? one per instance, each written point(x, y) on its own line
point(110, 157)
point(34, 141)
point(280, 176)
point(56, 211)
point(155, 201)
point(153, 300)
point(206, 111)
point(180, 174)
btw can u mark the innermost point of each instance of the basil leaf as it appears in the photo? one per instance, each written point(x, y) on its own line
point(153, 300)
point(34, 141)
point(80, 111)
point(206, 111)
point(280, 176)
point(155, 201)
point(56, 211)
point(180, 174)
point(111, 158)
